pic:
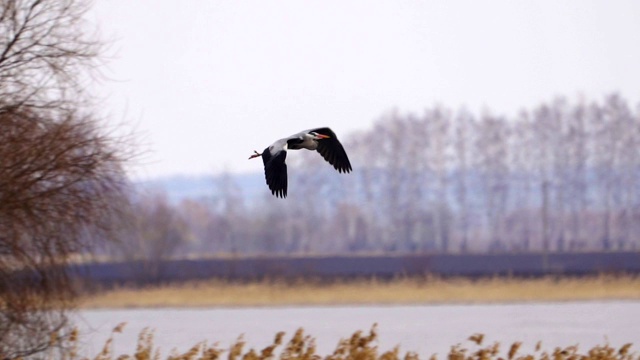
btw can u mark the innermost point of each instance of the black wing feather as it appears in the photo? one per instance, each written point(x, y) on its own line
point(331, 150)
point(275, 172)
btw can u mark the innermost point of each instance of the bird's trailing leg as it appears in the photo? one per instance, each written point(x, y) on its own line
point(255, 155)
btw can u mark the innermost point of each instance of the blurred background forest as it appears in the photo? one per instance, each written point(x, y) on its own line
point(561, 177)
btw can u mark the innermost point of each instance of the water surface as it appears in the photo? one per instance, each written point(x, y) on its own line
point(426, 329)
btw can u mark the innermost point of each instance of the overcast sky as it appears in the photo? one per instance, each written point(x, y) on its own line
point(205, 83)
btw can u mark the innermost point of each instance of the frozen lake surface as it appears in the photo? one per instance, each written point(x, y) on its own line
point(426, 329)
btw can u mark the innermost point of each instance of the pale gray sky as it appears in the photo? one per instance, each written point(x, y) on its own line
point(207, 82)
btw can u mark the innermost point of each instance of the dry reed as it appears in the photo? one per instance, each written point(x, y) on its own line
point(359, 346)
point(411, 290)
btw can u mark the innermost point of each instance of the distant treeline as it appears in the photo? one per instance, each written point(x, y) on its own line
point(564, 176)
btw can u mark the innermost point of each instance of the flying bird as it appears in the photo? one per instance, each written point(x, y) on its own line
point(324, 140)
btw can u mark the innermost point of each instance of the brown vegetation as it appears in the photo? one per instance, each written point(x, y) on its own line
point(61, 175)
point(412, 290)
point(359, 346)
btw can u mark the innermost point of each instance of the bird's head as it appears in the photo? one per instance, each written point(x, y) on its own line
point(317, 136)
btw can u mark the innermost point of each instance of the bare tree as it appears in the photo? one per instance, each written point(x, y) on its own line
point(60, 184)
point(614, 161)
point(200, 221)
point(61, 176)
point(462, 150)
point(157, 233)
point(43, 50)
point(438, 122)
point(367, 187)
point(576, 181)
point(229, 205)
point(491, 160)
point(604, 163)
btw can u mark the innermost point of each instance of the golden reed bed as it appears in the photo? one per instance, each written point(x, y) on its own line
point(359, 346)
point(413, 290)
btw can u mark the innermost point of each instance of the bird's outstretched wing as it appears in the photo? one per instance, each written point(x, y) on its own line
point(275, 172)
point(331, 150)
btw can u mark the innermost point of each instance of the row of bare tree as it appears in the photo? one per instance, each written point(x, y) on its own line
point(561, 177)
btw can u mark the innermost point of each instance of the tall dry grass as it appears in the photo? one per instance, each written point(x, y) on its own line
point(359, 346)
point(409, 290)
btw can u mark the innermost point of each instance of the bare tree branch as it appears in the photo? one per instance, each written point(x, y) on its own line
point(61, 176)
